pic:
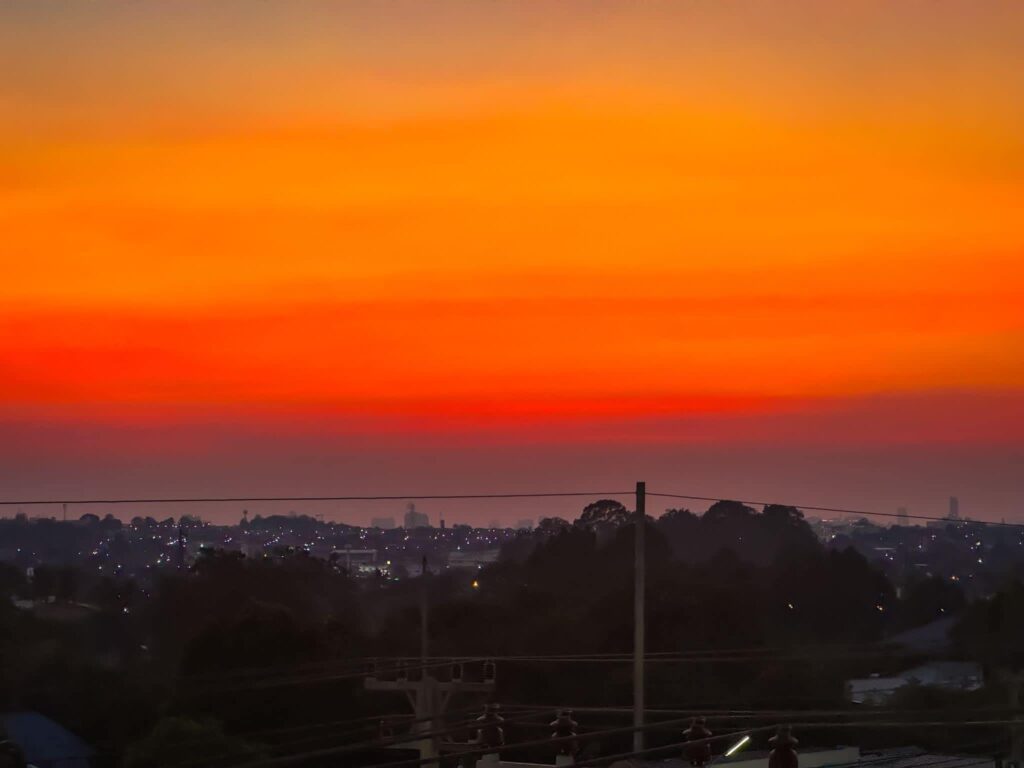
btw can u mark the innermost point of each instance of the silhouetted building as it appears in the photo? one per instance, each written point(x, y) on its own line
point(363, 560)
point(414, 519)
point(384, 523)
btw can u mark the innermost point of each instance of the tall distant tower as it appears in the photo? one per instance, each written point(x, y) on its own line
point(902, 518)
point(954, 508)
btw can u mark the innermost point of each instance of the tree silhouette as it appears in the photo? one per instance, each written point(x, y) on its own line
point(603, 514)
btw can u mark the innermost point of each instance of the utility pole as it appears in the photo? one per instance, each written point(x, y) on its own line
point(1013, 682)
point(428, 696)
point(639, 589)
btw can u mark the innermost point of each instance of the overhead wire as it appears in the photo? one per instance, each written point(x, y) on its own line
point(369, 722)
point(355, 666)
point(943, 761)
point(383, 743)
point(308, 679)
point(412, 762)
point(837, 510)
point(269, 499)
point(409, 763)
point(581, 736)
point(484, 496)
point(712, 714)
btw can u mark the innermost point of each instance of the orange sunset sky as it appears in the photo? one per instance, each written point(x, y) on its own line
point(755, 249)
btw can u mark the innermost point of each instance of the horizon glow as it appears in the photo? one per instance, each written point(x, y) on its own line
point(314, 245)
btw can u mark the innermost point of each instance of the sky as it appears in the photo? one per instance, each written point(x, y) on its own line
point(767, 250)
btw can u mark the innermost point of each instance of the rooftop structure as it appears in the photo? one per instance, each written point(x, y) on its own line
point(952, 675)
point(414, 519)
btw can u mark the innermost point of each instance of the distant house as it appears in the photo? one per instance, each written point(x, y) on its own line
point(950, 675)
point(46, 744)
point(476, 559)
point(349, 557)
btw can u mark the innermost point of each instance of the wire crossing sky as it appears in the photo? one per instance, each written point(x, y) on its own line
point(773, 248)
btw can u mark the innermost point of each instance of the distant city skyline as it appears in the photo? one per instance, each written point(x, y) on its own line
point(432, 513)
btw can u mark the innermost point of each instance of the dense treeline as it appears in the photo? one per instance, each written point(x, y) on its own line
point(237, 647)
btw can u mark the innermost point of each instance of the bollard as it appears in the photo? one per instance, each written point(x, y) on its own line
point(783, 754)
point(699, 755)
point(564, 727)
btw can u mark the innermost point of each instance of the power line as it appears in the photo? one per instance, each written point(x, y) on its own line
point(945, 761)
point(873, 762)
point(461, 725)
point(837, 510)
point(712, 659)
point(696, 653)
point(288, 759)
point(369, 722)
point(526, 712)
point(473, 752)
point(480, 496)
point(311, 678)
point(711, 715)
point(411, 763)
point(355, 667)
point(359, 666)
point(390, 741)
point(522, 713)
point(405, 497)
